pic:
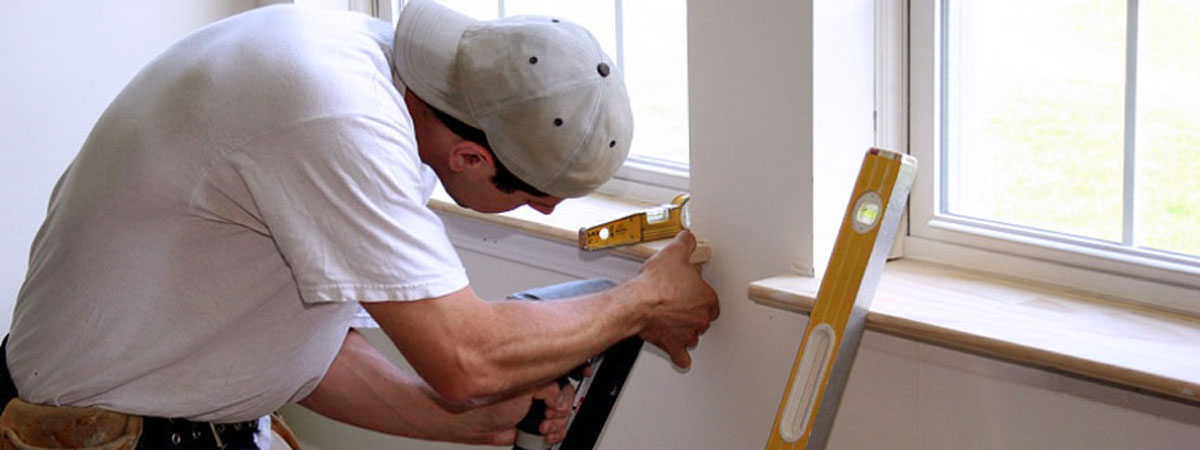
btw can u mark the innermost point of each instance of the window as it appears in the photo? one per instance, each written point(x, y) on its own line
point(1064, 133)
point(648, 39)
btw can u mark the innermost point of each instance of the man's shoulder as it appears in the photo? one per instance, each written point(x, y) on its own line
point(286, 39)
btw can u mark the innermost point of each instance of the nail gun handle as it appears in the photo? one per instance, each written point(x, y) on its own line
point(528, 435)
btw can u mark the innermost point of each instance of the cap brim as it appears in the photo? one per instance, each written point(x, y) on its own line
point(426, 48)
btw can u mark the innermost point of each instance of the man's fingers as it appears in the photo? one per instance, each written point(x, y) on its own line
point(556, 436)
point(554, 429)
point(685, 241)
point(566, 399)
point(551, 426)
point(689, 240)
point(681, 358)
point(547, 393)
point(561, 408)
point(558, 409)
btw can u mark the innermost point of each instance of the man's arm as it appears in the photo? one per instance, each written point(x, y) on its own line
point(468, 349)
point(365, 389)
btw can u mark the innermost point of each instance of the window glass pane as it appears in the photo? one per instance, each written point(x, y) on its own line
point(656, 75)
point(479, 9)
point(1168, 126)
point(598, 16)
point(1035, 113)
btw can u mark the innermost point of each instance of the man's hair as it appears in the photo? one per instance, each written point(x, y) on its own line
point(504, 180)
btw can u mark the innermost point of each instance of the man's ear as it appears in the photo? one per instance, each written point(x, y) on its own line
point(466, 156)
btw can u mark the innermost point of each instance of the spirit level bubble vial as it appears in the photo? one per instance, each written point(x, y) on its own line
point(652, 224)
point(822, 365)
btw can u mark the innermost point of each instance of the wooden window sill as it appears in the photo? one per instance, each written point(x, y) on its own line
point(1043, 327)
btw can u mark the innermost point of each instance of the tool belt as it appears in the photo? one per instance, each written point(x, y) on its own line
point(26, 426)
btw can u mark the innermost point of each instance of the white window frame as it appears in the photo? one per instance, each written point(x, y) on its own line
point(1160, 281)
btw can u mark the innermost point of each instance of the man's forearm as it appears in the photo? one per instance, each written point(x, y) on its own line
point(469, 349)
point(364, 389)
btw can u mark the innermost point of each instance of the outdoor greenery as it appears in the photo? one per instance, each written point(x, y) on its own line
point(1037, 118)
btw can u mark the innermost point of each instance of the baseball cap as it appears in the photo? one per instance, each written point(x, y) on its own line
point(552, 104)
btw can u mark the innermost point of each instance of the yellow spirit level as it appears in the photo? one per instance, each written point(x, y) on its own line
point(839, 315)
point(652, 224)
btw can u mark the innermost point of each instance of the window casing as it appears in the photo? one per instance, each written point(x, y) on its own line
point(943, 230)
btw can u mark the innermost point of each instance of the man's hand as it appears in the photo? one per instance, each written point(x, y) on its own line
point(495, 424)
point(558, 411)
point(682, 303)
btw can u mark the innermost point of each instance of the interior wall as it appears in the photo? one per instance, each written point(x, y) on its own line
point(844, 107)
point(63, 62)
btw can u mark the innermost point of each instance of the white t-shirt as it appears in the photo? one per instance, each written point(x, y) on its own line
point(205, 252)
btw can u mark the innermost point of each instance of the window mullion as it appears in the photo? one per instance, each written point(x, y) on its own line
point(1129, 205)
point(945, 139)
point(620, 24)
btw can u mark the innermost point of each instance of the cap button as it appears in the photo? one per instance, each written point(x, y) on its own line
point(603, 69)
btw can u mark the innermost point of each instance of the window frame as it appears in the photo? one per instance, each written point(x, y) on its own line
point(1144, 277)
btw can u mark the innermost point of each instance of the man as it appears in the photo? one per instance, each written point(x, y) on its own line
point(205, 252)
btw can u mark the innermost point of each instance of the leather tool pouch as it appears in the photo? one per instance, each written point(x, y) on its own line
point(25, 426)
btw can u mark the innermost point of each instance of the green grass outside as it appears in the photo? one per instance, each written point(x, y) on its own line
point(1042, 146)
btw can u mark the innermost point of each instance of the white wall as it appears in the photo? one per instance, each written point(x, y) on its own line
point(61, 63)
point(843, 104)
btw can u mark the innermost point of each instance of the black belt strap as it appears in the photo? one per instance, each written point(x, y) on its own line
point(8, 389)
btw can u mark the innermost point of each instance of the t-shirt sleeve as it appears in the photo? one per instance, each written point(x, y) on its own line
point(344, 200)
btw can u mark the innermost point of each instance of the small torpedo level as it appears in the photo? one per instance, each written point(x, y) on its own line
point(652, 224)
point(839, 316)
